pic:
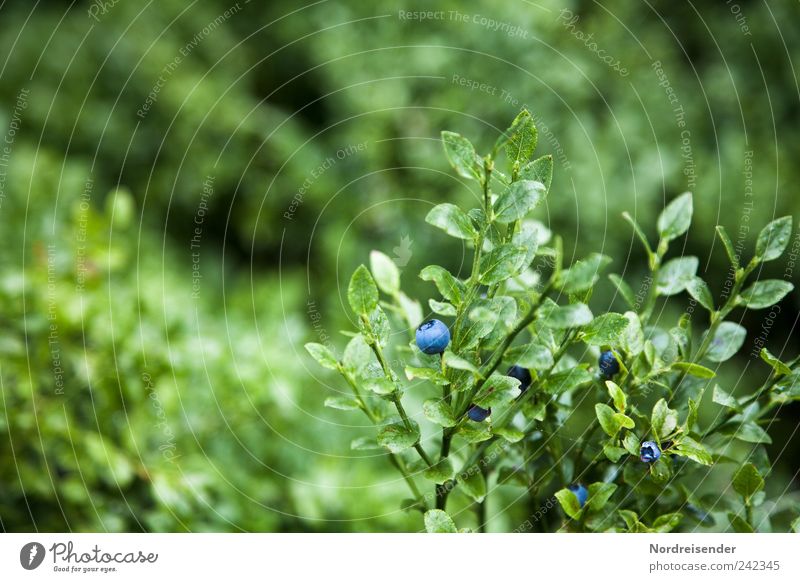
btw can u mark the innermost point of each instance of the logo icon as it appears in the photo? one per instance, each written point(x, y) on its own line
point(402, 253)
point(31, 555)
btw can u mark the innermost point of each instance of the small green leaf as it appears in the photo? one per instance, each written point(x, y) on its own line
point(522, 138)
point(437, 521)
point(699, 291)
point(512, 435)
point(439, 412)
point(633, 338)
point(747, 481)
point(342, 403)
point(605, 329)
point(739, 525)
point(564, 316)
point(676, 274)
point(451, 360)
point(780, 368)
point(750, 432)
point(583, 274)
point(569, 503)
point(639, 232)
point(473, 483)
point(380, 386)
point(501, 263)
point(765, 293)
point(773, 239)
point(440, 472)
point(613, 452)
point(451, 288)
point(322, 355)
point(533, 355)
point(624, 290)
point(539, 170)
point(667, 522)
point(663, 420)
point(385, 272)
point(695, 370)
point(631, 443)
point(605, 414)
point(676, 218)
point(451, 219)
point(728, 339)
point(362, 293)
point(727, 244)
point(565, 380)
point(724, 399)
point(691, 449)
point(357, 354)
point(617, 395)
point(397, 437)
point(518, 200)
point(442, 308)
point(498, 390)
point(461, 155)
point(599, 494)
point(429, 374)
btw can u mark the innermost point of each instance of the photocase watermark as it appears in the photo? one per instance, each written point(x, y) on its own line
point(100, 8)
point(689, 170)
point(743, 230)
point(169, 447)
point(169, 69)
point(14, 125)
point(53, 341)
point(568, 20)
point(318, 172)
point(31, 555)
point(527, 525)
point(402, 252)
point(197, 234)
point(741, 20)
point(82, 265)
point(511, 30)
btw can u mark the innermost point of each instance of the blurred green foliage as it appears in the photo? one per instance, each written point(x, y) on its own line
point(158, 98)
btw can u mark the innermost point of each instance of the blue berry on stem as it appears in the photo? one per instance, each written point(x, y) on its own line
point(478, 414)
point(649, 453)
point(521, 374)
point(608, 364)
point(433, 337)
point(580, 492)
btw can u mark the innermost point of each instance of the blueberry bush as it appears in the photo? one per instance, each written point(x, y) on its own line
point(516, 348)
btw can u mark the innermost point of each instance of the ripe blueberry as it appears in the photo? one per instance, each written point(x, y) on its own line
point(478, 414)
point(433, 337)
point(580, 492)
point(521, 374)
point(609, 366)
point(649, 453)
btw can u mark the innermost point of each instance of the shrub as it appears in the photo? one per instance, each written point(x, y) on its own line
point(644, 454)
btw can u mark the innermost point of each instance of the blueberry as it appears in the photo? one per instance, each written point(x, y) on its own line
point(609, 366)
point(649, 453)
point(521, 374)
point(433, 337)
point(478, 414)
point(580, 492)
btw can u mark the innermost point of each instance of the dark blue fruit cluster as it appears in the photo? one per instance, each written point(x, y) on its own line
point(649, 453)
point(608, 364)
point(433, 337)
point(478, 414)
point(580, 492)
point(521, 374)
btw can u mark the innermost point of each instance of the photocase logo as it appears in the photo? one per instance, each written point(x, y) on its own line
point(402, 253)
point(31, 555)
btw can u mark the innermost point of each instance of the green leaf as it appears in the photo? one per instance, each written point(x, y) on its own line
point(624, 289)
point(342, 403)
point(473, 483)
point(451, 360)
point(518, 200)
point(357, 354)
point(567, 380)
point(533, 355)
point(461, 155)
point(699, 291)
point(380, 386)
point(676, 274)
point(663, 420)
point(362, 293)
point(739, 525)
point(569, 503)
point(385, 272)
point(691, 449)
point(322, 355)
point(437, 521)
point(605, 414)
point(527, 236)
point(429, 374)
point(780, 368)
point(605, 329)
point(512, 435)
point(442, 308)
point(564, 316)
point(727, 244)
point(539, 170)
point(765, 293)
point(631, 443)
point(695, 370)
point(747, 481)
point(631, 519)
point(501, 263)
point(522, 139)
point(639, 232)
point(728, 339)
point(667, 522)
point(617, 395)
point(451, 288)
point(599, 494)
point(412, 310)
point(498, 390)
point(633, 338)
point(583, 274)
point(773, 239)
point(397, 437)
point(474, 432)
point(364, 444)
point(676, 218)
point(452, 220)
point(750, 432)
point(724, 399)
point(440, 472)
